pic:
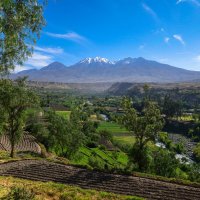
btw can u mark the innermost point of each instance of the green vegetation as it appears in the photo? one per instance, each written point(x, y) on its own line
point(65, 114)
point(197, 152)
point(145, 128)
point(12, 188)
point(112, 127)
point(15, 99)
point(20, 25)
point(130, 140)
point(101, 132)
point(100, 158)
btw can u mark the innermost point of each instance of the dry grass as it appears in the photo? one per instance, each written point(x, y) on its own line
point(54, 191)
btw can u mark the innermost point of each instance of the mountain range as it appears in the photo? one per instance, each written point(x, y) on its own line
point(95, 70)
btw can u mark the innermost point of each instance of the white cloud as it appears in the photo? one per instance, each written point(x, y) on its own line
point(166, 39)
point(39, 60)
point(195, 2)
point(19, 68)
point(43, 56)
point(56, 50)
point(68, 36)
point(197, 58)
point(179, 38)
point(150, 11)
point(179, 1)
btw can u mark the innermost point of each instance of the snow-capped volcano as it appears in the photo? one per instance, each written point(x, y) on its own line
point(96, 60)
point(92, 70)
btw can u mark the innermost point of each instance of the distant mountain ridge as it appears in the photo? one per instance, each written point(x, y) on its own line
point(94, 70)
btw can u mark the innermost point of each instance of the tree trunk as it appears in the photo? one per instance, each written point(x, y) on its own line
point(12, 151)
point(12, 146)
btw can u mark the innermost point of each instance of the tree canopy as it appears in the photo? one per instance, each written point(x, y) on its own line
point(20, 24)
point(145, 126)
point(15, 98)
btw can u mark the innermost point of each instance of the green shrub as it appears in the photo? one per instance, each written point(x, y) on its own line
point(179, 148)
point(196, 152)
point(102, 147)
point(180, 174)
point(143, 158)
point(165, 163)
point(194, 174)
point(17, 193)
point(96, 163)
point(163, 137)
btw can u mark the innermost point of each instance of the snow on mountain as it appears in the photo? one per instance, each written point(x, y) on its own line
point(93, 70)
point(96, 60)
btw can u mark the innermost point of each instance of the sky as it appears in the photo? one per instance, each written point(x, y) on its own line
point(167, 31)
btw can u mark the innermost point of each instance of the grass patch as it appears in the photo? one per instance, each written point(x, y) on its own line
point(125, 139)
point(65, 114)
point(5, 156)
point(49, 190)
point(112, 127)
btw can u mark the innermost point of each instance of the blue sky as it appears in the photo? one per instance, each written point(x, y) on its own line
point(167, 31)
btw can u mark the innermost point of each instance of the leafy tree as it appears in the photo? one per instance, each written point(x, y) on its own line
point(146, 90)
point(65, 136)
point(15, 99)
point(169, 107)
point(165, 163)
point(58, 137)
point(20, 24)
point(172, 108)
point(144, 126)
point(80, 118)
point(36, 124)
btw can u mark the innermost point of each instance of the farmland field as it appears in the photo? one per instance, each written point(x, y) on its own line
point(101, 156)
point(65, 114)
point(112, 127)
point(124, 139)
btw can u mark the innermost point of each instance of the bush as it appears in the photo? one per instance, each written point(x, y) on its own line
point(17, 193)
point(106, 134)
point(102, 147)
point(194, 174)
point(179, 148)
point(163, 137)
point(165, 163)
point(180, 174)
point(123, 147)
point(196, 152)
point(95, 163)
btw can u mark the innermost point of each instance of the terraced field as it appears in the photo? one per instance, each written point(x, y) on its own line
point(112, 127)
point(28, 143)
point(41, 170)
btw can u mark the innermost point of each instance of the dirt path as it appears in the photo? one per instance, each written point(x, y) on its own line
point(40, 170)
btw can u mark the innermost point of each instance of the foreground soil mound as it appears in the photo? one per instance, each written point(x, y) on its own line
point(40, 170)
